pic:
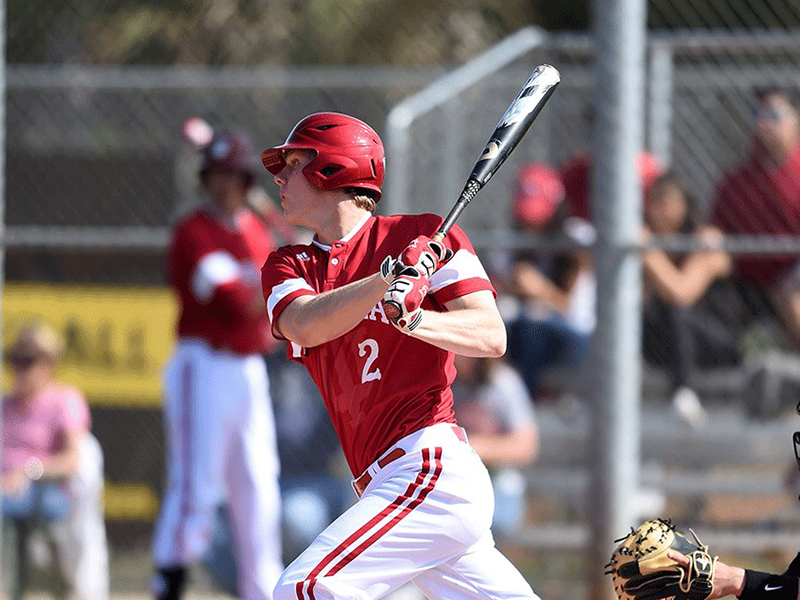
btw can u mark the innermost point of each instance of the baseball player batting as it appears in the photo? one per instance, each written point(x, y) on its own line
point(426, 500)
point(217, 410)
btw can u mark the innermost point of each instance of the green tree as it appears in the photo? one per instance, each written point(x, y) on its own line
point(260, 32)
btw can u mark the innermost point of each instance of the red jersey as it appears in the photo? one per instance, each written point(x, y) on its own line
point(760, 198)
point(378, 384)
point(213, 266)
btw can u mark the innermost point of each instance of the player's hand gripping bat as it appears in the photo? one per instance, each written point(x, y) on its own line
point(509, 131)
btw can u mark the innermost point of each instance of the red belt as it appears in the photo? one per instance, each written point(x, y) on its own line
point(360, 484)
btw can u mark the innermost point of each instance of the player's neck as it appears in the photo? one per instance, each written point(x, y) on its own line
point(343, 220)
point(29, 393)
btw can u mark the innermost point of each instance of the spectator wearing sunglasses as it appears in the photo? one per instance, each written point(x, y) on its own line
point(43, 424)
point(761, 196)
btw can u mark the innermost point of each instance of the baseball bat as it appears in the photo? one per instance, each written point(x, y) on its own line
point(509, 131)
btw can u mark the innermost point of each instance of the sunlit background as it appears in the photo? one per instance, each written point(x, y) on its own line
point(97, 171)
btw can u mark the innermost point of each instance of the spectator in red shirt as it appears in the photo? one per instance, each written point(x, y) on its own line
point(761, 196)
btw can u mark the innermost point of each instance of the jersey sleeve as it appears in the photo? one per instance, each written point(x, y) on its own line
point(461, 275)
point(282, 281)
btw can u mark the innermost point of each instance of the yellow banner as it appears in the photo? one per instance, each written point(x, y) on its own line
point(117, 339)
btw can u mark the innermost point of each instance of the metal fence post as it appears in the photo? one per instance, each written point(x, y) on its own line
point(619, 37)
point(659, 100)
point(2, 215)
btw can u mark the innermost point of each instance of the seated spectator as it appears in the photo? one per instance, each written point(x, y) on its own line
point(555, 289)
point(577, 181)
point(492, 404)
point(762, 196)
point(44, 424)
point(691, 309)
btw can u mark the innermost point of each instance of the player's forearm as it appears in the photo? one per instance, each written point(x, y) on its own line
point(313, 320)
point(728, 581)
point(684, 285)
point(469, 332)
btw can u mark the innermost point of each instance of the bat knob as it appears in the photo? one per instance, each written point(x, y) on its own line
point(392, 309)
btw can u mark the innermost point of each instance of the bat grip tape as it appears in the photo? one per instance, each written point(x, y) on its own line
point(467, 194)
point(766, 586)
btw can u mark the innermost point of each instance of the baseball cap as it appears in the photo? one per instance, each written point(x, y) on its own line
point(538, 192)
point(650, 169)
point(229, 151)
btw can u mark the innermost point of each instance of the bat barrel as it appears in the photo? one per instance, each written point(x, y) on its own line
point(509, 131)
point(516, 121)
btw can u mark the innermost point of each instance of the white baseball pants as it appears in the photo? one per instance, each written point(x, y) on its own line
point(221, 445)
point(424, 517)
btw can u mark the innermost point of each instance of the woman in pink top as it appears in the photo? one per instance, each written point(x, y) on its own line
point(43, 422)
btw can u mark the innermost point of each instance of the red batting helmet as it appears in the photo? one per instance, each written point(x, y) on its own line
point(230, 151)
point(349, 152)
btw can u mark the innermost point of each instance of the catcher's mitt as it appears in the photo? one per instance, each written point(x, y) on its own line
point(641, 569)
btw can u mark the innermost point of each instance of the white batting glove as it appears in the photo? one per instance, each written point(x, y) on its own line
point(388, 267)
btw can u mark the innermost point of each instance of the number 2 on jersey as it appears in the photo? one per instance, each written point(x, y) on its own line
point(372, 346)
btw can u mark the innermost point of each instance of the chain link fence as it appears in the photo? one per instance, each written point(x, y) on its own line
point(97, 172)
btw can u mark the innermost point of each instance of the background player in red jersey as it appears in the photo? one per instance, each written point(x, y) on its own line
point(217, 409)
point(426, 501)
